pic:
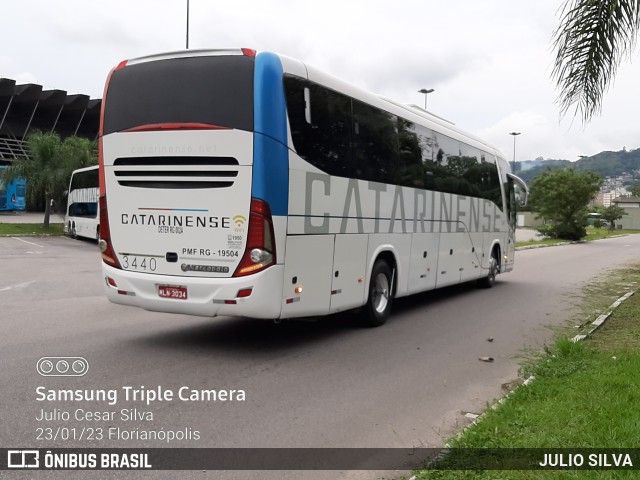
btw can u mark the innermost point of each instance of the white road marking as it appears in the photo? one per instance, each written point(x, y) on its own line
point(30, 243)
point(19, 285)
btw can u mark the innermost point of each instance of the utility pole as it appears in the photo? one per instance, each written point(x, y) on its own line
point(515, 134)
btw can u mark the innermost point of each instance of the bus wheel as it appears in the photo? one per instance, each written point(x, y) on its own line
point(72, 230)
point(490, 279)
point(380, 299)
point(98, 233)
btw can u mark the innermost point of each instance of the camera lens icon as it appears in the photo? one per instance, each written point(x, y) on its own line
point(62, 366)
point(45, 367)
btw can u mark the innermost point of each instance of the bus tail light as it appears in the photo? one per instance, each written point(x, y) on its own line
point(260, 251)
point(108, 255)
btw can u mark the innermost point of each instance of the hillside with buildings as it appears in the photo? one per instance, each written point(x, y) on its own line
point(619, 169)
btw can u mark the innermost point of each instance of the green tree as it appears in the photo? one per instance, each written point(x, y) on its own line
point(634, 189)
point(561, 197)
point(49, 165)
point(593, 37)
point(611, 214)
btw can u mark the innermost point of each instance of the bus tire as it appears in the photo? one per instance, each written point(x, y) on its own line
point(72, 230)
point(494, 269)
point(98, 233)
point(380, 298)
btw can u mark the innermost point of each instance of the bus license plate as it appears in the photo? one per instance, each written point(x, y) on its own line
point(170, 291)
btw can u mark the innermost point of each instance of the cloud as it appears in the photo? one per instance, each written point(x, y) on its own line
point(488, 61)
point(10, 68)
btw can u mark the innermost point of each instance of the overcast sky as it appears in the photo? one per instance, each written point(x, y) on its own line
point(489, 61)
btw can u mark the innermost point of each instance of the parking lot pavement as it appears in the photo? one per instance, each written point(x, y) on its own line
point(29, 217)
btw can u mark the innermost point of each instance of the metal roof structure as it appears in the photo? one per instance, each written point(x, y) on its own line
point(28, 108)
point(628, 199)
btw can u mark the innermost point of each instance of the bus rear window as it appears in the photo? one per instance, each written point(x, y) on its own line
point(214, 90)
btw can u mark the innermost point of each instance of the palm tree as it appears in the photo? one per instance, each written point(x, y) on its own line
point(593, 37)
point(49, 165)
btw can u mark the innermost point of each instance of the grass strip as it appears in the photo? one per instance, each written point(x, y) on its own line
point(544, 241)
point(592, 234)
point(585, 395)
point(9, 229)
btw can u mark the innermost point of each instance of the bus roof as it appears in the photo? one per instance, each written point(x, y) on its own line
point(85, 169)
point(299, 68)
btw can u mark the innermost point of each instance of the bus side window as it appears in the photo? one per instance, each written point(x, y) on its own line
point(324, 138)
point(375, 144)
point(410, 168)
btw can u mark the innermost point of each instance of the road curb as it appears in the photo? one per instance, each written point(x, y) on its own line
point(5, 235)
point(598, 322)
point(531, 247)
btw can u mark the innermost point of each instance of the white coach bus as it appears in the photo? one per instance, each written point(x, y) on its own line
point(81, 217)
point(251, 184)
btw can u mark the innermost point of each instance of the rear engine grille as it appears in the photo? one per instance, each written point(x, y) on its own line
point(176, 172)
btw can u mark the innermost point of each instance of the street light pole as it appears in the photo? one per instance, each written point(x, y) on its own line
point(187, 24)
point(515, 134)
point(426, 92)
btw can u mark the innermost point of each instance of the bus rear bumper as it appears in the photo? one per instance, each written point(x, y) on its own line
point(209, 297)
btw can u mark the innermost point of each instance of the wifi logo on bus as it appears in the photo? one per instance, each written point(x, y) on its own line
point(239, 220)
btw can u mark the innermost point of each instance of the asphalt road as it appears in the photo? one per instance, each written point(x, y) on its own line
point(326, 383)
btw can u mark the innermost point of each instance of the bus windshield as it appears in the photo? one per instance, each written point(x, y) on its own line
point(211, 90)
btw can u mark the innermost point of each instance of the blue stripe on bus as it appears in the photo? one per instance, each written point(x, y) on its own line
point(270, 152)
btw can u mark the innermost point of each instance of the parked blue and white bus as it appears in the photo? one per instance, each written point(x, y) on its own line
point(81, 216)
point(13, 195)
point(252, 184)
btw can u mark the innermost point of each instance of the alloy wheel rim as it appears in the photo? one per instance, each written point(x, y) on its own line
point(381, 293)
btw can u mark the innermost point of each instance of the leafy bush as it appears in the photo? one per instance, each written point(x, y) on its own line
point(561, 198)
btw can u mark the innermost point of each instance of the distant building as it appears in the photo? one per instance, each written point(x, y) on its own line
point(631, 206)
point(598, 199)
point(529, 220)
point(29, 108)
point(605, 198)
